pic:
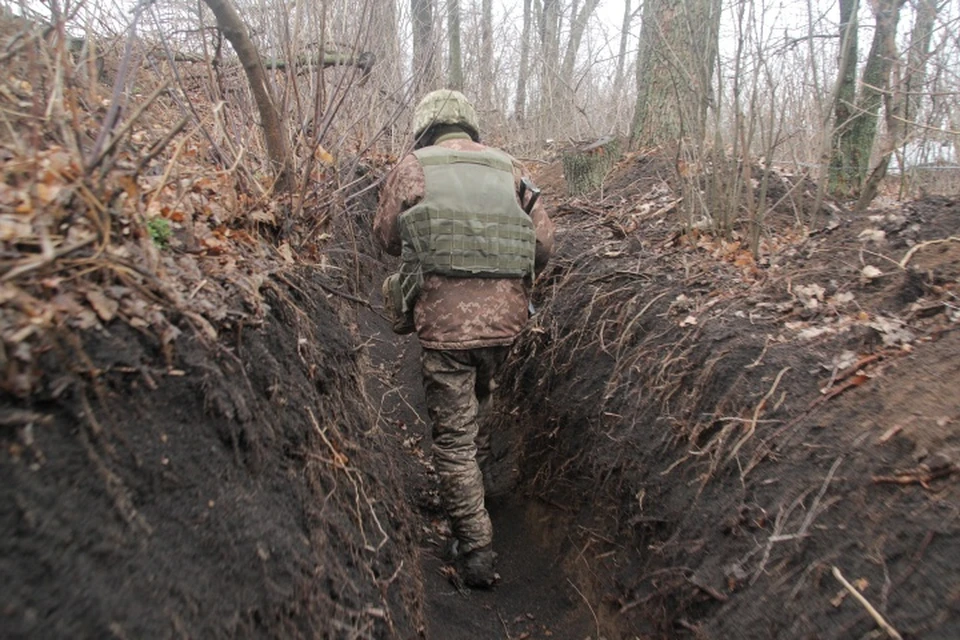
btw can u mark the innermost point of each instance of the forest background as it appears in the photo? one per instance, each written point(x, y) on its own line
point(837, 91)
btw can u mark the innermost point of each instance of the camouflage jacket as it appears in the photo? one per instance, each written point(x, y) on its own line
point(459, 313)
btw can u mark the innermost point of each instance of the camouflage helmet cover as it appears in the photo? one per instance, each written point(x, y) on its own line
point(445, 106)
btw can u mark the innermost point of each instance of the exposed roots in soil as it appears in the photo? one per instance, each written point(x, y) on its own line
point(722, 416)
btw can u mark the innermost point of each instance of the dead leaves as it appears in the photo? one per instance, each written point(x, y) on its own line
point(150, 234)
point(33, 194)
point(105, 307)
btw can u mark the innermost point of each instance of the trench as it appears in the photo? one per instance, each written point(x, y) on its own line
point(646, 509)
point(614, 531)
point(547, 586)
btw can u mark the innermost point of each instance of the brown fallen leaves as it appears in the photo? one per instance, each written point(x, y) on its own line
point(161, 239)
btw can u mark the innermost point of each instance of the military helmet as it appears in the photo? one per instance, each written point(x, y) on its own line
point(445, 106)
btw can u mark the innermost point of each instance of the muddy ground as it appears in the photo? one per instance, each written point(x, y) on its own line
point(534, 595)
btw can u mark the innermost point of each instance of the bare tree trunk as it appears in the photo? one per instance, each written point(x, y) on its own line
point(622, 54)
point(455, 70)
point(857, 145)
point(424, 43)
point(577, 27)
point(916, 73)
point(382, 36)
point(842, 167)
point(519, 110)
point(486, 54)
point(902, 103)
point(229, 22)
point(675, 64)
point(549, 54)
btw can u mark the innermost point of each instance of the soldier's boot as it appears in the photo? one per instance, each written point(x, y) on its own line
point(451, 550)
point(476, 568)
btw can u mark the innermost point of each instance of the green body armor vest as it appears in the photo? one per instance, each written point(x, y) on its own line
point(469, 223)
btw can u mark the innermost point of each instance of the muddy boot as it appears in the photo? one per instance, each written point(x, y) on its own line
point(476, 568)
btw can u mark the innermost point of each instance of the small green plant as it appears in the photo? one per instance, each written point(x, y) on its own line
point(159, 229)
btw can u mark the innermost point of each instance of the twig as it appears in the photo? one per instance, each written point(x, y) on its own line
point(160, 145)
point(812, 512)
point(196, 289)
point(580, 593)
point(881, 622)
point(30, 264)
point(707, 589)
point(756, 415)
point(166, 172)
point(852, 369)
point(919, 476)
point(132, 120)
point(506, 630)
point(19, 417)
point(344, 294)
point(833, 392)
point(756, 363)
point(917, 247)
point(777, 536)
point(113, 112)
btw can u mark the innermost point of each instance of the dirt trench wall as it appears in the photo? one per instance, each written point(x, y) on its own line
point(711, 487)
point(234, 491)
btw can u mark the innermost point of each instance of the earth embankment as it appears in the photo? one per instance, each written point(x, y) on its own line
point(729, 430)
point(228, 487)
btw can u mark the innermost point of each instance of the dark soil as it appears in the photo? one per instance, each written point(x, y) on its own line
point(727, 430)
point(235, 491)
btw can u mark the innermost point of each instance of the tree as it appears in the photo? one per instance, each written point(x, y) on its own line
point(917, 56)
point(455, 70)
point(549, 52)
point(229, 22)
point(675, 64)
point(903, 103)
point(384, 41)
point(519, 110)
point(857, 117)
point(578, 25)
point(622, 53)
point(424, 46)
point(486, 54)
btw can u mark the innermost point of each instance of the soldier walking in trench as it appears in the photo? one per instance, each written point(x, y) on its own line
point(472, 236)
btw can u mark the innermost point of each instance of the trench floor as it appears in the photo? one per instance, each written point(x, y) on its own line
point(535, 597)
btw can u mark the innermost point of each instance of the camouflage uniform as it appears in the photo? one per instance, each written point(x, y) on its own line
point(466, 327)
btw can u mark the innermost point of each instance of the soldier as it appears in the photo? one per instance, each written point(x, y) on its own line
point(470, 246)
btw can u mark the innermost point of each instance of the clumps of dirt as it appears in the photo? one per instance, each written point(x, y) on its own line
point(227, 492)
point(726, 427)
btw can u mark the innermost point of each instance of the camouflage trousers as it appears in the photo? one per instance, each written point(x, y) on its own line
point(459, 389)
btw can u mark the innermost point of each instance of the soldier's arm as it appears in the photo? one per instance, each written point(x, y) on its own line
point(402, 189)
point(542, 224)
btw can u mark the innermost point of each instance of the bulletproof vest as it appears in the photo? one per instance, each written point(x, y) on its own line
point(469, 223)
